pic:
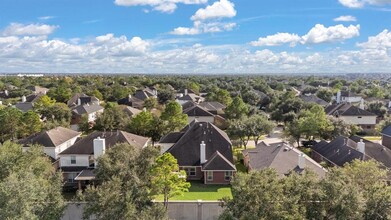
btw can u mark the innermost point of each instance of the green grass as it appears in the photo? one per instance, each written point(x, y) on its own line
point(204, 192)
point(372, 138)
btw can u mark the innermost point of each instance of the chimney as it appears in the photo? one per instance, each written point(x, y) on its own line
point(78, 101)
point(362, 106)
point(202, 152)
point(361, 146)
point(6, 92)
point(339, 96)
point(99, 148)
point(301, 162)
point(185, 91)
point(129, 96)
point(23, 98)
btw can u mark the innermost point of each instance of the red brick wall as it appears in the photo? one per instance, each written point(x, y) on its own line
point(386, 141)
point(218, 178)
point(198, 176)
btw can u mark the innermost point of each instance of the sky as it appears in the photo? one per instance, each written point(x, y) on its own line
point(195, 36)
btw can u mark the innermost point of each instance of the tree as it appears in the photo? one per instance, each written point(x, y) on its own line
point(378, 109)
point(167, 179)
point(124, 185)
point(356, 191)
point(314, 123)
point(31, 123)
point(165, 95)
point(173, 117)
point(286, 107)
point(237, 109)
point(29, 186)
point(293, 132)
point(340, 128)
point(43, 102)
point(325, 94)
point(10, 121)
point(223, 97)
point(142, 123)
point(150, 103)
point(113, 118)
point(58, 112)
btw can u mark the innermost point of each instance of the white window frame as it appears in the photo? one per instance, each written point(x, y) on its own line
point(190, 170)
point(227, 175)
point(209, 175)
point(73, 160)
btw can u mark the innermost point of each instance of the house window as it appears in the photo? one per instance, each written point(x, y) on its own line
point(73, 159)
point(190, 171)
point(369, 127)
point(227, 175)
point(71, 177)
point(359, 117)
point(209, 175)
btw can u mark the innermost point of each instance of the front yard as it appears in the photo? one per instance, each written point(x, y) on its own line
point(204, 192)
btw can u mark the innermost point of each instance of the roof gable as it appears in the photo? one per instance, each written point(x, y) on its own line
point(196, 111)
point(51, 138)
point(218, 162)
point(187, 149)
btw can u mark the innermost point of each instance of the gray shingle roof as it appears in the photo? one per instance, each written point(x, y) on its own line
point(50, 138)
point(387, 131)
point(218, 162)
point(172, 137)
point(187, 149)
point(343, 150)
point(347, 110)
point(313, 99)
point(281, 157)
point(196, 111)
point(213, 106)
point(86, 144)
point(86, 109)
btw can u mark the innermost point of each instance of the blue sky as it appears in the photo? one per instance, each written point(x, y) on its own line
point(195, 36)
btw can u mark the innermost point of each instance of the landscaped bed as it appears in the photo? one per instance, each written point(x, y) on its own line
point(204, 192)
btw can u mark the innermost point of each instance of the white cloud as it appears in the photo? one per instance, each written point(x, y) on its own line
point(362, 3)
point(345, 18)
point(322, 34)
point(45, 17)
point(165, 6)
point(16, 29)
point(380, 41)
point(277, 40)
point(220, 9)
point(318, 34)
point(201, 27)
point(207, 20)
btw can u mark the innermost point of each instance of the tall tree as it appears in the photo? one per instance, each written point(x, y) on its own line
point(167, 179)
point(10, 120)
point(31, 123)
point(125, 184)
point(142, 123)
point(173, 117)
point(113, 118)
point(29, 186)
point(313, 123)
point(237, 109)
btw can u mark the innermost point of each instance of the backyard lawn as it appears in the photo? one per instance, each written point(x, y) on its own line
point(203, 192)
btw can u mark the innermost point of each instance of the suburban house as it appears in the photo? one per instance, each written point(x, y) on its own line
point(343, 150)
point(130, 111)
point(311, 98)
point(347, 97)
point(215, 108)
point(92, 111)
point(82, 99)
point(54, 141)
point(386, 137)
point(38, 89)
point(353, 115)
point(203, 151)
point(188, 96)
point(131, 101)
point(78, 161)
point(281, 157)
point(27, 103)
point(199, 113)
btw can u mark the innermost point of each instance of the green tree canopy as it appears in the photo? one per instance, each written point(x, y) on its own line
point(237, 109)
point(29, 186)
point(173, 117)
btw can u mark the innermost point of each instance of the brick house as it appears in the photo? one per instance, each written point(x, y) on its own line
point(203, 151)
point(386, 137)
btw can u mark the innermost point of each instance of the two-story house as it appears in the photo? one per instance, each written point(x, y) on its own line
point(353, 115)
point(81, 157)
point(203, 151)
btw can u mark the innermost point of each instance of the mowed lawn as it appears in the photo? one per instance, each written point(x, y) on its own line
point(204, 192)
